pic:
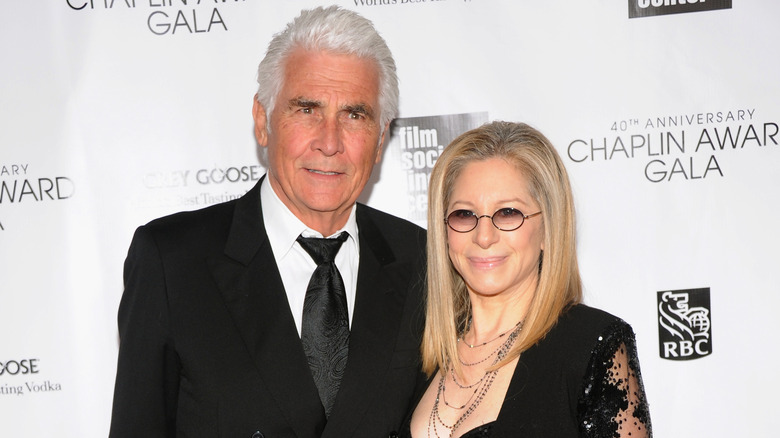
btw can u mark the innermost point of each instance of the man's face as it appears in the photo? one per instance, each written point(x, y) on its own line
point(324, 135)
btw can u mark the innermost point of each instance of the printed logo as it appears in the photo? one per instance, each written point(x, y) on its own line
point(15, 367)
point(392, 2)
point(420, 141)
point(22, 183)
point(11, 371)
point(191, 188)
point(648, 8)
point(679, 147)
point(167, 17)
point(684, 324)
point(17, 185)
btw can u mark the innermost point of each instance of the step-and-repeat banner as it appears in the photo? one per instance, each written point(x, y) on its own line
point(666, 112)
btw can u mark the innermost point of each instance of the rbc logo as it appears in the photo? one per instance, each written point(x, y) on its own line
point(684, 324)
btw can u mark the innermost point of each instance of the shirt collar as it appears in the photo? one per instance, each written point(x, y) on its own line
point(283, 227)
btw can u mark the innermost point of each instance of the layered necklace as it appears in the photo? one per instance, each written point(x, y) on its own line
point(480, 387)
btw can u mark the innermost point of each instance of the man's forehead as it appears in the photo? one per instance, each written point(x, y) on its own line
point(329, 91)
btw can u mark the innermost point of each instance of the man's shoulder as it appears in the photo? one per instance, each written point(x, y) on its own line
point(386, 232)
point(388, 221)
point(202, 224)
point(190, 218)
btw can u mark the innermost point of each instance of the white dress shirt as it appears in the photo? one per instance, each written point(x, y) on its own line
point(294, 263)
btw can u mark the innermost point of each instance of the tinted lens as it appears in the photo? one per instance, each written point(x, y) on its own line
point(508, 219)
point(462, 220)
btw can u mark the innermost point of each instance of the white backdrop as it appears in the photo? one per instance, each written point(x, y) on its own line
point(115, 112)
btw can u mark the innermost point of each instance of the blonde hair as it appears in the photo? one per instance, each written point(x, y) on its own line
point(448, 306)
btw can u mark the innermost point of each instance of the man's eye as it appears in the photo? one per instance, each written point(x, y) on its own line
point(307, 110)
point(356, 115)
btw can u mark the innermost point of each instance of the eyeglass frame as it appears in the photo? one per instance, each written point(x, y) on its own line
point(476, 224)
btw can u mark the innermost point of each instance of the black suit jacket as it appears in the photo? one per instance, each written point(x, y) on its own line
point(209, 348)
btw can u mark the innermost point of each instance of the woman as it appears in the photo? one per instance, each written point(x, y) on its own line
point(508, 347)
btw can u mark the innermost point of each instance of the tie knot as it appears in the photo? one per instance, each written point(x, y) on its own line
point(320, 249)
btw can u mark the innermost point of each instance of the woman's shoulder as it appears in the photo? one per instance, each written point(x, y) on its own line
point(582, 327)
point(551, 375)
point(584, 319)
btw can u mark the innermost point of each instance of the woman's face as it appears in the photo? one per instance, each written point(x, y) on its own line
point(494, 262)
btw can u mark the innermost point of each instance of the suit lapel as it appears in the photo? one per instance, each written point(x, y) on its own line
point(379, 304)
point(252, 290)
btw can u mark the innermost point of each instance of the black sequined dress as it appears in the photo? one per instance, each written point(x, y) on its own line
point(581, 380)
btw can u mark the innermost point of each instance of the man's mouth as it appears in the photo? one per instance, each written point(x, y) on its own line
point(322, 172)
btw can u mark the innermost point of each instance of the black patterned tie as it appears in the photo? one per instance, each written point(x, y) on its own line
point(325, 328)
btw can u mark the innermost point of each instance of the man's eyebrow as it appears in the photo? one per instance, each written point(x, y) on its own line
point(304, 102)
point(360, 108)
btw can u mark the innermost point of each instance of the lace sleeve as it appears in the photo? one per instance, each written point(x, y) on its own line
point(613, 402)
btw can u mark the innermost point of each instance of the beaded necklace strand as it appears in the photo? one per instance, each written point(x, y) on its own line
point(460, 338)
point(481, 387)
point(471, 346)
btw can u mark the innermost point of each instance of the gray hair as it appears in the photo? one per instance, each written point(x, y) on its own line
point(335, 30)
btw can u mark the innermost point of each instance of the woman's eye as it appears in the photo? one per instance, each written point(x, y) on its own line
point(509, 212)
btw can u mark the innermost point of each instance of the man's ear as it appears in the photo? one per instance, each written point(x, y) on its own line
point(261, 123)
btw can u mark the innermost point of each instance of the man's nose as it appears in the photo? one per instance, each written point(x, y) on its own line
point(329, 137)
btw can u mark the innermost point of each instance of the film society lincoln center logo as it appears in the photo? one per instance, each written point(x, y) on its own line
point(684, 324)
point(419, 141)
point(649, 8)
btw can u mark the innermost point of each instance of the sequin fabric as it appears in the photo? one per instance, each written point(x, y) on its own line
point(613, 402)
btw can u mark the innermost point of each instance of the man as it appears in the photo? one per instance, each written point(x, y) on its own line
point(212, 315)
